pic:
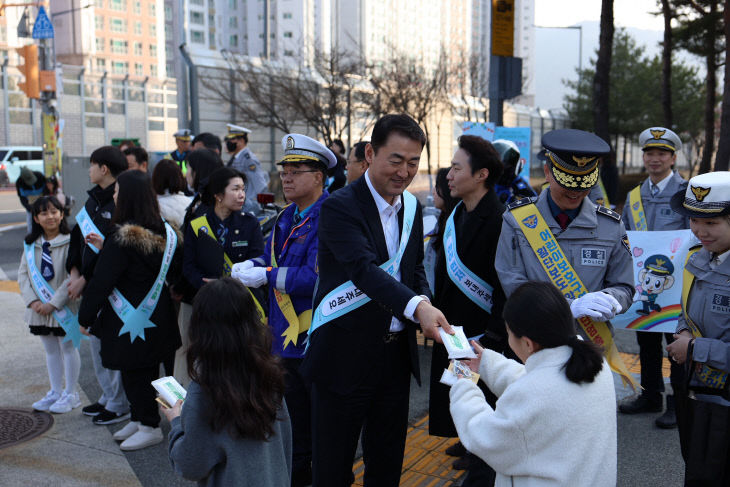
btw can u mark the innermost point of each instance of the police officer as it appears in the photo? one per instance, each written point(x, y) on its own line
point(646, 209)
point(244, 161)
point(579, 246)
point(511, 186)
point(702, 339)
point(183, 139)
point(289, 267)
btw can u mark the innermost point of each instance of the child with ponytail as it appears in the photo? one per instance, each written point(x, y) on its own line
point(555, 419)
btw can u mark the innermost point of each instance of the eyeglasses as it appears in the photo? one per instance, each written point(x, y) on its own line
point(283, 174)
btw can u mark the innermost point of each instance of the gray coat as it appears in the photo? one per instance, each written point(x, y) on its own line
point(217, 458)
point(600, 232)
point(709, 309)
point(257, 180)
point(658, 214)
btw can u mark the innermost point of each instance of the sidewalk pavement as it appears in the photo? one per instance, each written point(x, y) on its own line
point(74, 451)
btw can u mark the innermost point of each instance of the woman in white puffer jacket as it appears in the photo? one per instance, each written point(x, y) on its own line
point(555, 420)
point(169, 185)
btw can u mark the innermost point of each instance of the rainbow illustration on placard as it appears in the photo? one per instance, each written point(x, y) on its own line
point(669, 313)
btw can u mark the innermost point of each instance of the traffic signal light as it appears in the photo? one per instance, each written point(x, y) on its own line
point(31, 86)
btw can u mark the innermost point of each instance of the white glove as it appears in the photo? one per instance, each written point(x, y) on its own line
point(599, 306)
point(253, 277)
point(241, 266)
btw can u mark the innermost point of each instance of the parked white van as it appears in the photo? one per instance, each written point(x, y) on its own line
point(12, 158)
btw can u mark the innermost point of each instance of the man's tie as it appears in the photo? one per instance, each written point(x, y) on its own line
point(47, 262)
point(654, 190)
point(563, 220)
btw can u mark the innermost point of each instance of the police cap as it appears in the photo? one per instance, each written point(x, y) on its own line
point(573, 156)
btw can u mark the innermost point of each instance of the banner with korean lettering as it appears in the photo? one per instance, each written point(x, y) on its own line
point(658, 264)
point(480, 129)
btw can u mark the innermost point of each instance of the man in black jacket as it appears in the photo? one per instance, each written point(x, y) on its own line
point(467, 286)
point(362, 347)
point(106, 164)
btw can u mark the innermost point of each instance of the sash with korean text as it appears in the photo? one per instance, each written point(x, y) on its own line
point(637, 210)
point(66, 319)
point(473, 286)
point(563, 276)
point(347, 297)
point(87, 226)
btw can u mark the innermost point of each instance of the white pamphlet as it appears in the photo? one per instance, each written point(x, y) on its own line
point(169, 389)
point(457, 344)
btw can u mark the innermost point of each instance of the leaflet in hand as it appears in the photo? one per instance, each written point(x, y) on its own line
point(458, 369)
point(169, 389)
point(457, 344)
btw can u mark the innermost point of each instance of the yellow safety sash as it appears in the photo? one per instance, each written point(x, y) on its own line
point(297, 324)
point(637, 210)
point(604, 195)
point(709, 376)
point(563, 276)
point(201, 223)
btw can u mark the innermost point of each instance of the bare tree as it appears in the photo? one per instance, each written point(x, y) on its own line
point(316, 93)
point(403, 84)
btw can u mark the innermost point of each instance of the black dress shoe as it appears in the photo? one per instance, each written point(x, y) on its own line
point(461, 463)
point(668, 420)
point(642, 404)
point(456, 450)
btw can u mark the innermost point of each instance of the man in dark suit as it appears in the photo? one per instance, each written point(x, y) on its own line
point(360, 362)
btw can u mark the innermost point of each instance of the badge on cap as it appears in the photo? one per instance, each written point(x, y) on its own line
point(289, 142)
point(700, 192)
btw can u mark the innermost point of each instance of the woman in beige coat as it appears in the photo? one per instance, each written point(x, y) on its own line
point(49, 240)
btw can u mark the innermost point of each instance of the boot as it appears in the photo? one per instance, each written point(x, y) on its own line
point(144, 437)
point(456, 450)
point(668, 420)
point(645, 403)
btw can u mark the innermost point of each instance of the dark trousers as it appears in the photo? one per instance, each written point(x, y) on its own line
point(141, 395)
point(378, 408)
point(299, 404)
point(704, 437)
point(651, 352)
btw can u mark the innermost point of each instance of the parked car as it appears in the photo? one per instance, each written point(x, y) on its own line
point(12, 158)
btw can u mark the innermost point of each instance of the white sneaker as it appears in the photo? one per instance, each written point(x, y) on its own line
point(128, 430)
point(144, 437)
point(47, 402)
point(66, 403)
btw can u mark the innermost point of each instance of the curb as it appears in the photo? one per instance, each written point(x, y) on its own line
point(12, 226)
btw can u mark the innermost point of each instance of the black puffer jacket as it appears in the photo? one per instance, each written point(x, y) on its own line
point(130, 261)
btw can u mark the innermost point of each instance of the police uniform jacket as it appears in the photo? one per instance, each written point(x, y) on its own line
point(593, 244)
point(296, 257)
point(658, 213)
point(130, 261)
point(709, 309)
point(477, 234)
point(100, 207)
point(256, 179)
point(203, 256)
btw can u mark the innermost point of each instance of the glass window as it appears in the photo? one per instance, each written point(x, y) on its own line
point(137, 7)
point(234, 41)
point(168, 13)
point(197, 18)
point(100, 44)
point(153, 9)
point(197, 37)
point(233, 22)
point(170, 70)
point(120, 5)
point(137, 48)
point(197, 2)
point(101, 64)
point(118, 46)
point(232, 4)
point(138, 69)
point(158, 125)
point(119, 67)
point(153, 50)
point(287, 15)
point(94, 121)
point(118, 25)
point(153, 30)
point(99, 22)
point(153, 70)
point(138, 28)
point(287, 34)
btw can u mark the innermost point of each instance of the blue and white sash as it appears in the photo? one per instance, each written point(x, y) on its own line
point(66, 319)
point(86, 225)
point(347, 296)
point(135, 320)
point(473, 286)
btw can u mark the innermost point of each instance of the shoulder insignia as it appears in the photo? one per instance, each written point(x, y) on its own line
point(521, 202)
point(608, 212)
point(625, 243)
point(246, 155)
